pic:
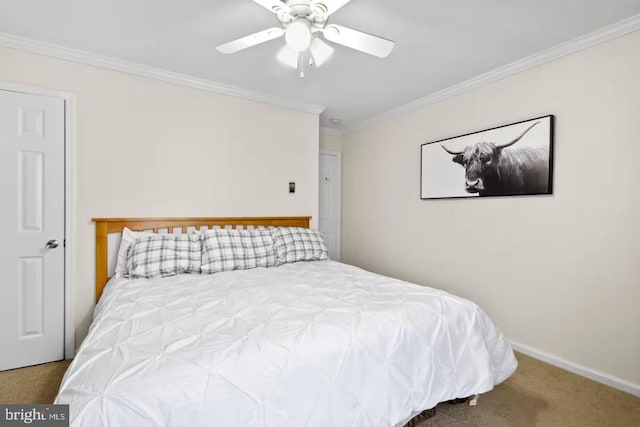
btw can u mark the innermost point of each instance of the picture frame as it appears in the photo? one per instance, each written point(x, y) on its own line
point(515, 159)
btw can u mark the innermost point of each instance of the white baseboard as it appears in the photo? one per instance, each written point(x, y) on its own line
point(592, 374)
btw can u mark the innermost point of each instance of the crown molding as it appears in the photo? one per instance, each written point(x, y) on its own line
point(87, 58)
point(602, 35)
point(330, 131)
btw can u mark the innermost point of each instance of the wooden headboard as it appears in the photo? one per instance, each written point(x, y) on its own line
point(106, 226)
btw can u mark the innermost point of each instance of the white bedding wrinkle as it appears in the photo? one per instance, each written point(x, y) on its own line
point(305, 344)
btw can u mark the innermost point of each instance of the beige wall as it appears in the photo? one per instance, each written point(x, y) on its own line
point(330, 142)
point(147, 148)
point(559, 273)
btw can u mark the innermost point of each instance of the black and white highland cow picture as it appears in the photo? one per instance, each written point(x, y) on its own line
point(509, 160)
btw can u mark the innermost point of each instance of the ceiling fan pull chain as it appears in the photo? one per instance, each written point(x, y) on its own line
point(301, 65)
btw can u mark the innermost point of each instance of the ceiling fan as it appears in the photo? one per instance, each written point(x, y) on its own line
point(301, 23)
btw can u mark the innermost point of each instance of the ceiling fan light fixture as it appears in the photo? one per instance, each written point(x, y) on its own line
point(320, 51)
point(298, 35)
point(288, 57)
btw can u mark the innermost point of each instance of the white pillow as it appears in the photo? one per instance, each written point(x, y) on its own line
point(128, 237)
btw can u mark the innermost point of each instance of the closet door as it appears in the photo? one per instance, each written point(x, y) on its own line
point(32, 133)
point(329, 203)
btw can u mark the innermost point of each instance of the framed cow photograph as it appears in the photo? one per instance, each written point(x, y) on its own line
point(510, 160)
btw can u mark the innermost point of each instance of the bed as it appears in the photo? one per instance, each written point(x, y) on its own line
point(304, 344)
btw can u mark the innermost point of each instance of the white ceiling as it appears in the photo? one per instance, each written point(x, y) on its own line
point(438, 43)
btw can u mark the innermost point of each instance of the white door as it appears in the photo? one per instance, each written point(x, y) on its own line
point(32, 194)
point(330, 183)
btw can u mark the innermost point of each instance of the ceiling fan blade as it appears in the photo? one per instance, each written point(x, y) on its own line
point(273, 5)
point(320, 51)
point(332, 5)
point(252, 40)
point(367, 43)
point(288, 57)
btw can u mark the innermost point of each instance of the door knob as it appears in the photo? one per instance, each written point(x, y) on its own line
point(52, 244)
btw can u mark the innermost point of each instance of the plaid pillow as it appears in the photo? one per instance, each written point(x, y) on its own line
point(293, 244)
point(227, 250)
point(162, 255)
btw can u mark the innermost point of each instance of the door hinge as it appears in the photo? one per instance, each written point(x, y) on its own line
point(64, 243)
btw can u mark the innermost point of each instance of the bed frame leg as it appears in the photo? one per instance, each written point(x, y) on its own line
point(474, 400)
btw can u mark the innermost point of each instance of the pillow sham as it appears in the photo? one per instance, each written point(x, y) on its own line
point(163, 255)
point(293, 244)
point(228, 250)
point(128, 237)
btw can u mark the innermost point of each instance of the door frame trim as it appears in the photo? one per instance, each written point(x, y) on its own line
point(339, 156)
point(69, 201)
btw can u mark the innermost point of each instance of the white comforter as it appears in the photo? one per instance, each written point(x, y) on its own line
point(306, 344)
